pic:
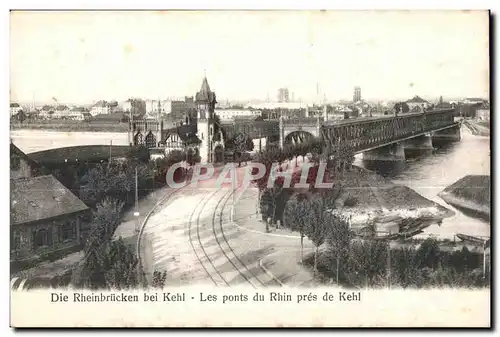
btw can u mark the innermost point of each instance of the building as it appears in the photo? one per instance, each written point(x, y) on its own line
point(134, 106)
point(483, 114)
point(283, 95)
point(61, 111)
point(21, 166)
point(76, 113)
point(231, 114)
point(357, 94)
point(46, 112)
point(179, 109)
point(181, 138)
point(417, 104)
point(104, 108)
point(277, 105)
point(210, 149)
point(15, 108)
point(46, 217)
point(474, 100)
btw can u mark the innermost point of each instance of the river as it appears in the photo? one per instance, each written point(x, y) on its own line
point(427, 175)
point(432, 173)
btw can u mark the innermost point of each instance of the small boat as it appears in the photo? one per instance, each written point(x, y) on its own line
point(472, 239)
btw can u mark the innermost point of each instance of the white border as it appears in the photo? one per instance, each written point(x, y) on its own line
point(186, 4)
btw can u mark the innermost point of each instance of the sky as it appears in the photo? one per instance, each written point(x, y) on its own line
point(82, 57)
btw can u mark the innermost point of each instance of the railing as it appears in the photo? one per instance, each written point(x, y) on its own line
point(363, 134)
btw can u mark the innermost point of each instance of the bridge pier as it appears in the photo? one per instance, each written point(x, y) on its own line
point(451, 134)
point(418, 145)
point(393, 152)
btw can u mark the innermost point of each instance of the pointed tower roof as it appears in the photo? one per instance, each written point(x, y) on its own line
point(205, 94)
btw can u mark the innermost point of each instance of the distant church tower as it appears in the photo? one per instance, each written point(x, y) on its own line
point(205, 105)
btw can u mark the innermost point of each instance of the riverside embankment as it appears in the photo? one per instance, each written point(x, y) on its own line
point(471, 194)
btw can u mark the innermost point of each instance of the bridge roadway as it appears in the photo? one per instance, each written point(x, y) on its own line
point(368, 133)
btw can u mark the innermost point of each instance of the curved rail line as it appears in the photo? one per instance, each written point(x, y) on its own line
point(205, 200)
point(145, 221)
point(233, 252)
point(226, 197)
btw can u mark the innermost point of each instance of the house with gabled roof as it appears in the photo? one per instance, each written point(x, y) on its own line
point(417, 104)
point(45, 216)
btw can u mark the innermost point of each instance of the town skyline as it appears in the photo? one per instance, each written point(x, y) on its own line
point(119, 55)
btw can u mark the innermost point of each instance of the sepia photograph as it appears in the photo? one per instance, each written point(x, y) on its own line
point(254, 162)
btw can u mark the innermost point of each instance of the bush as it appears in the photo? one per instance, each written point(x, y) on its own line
point(428, 254)
point(138, 153)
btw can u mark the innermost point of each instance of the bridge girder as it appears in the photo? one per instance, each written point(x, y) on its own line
point(361, 135)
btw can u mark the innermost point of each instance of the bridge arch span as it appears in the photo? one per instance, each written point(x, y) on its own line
point(298, 137)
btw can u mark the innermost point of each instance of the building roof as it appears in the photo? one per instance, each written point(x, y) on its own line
point(417, 99)
point(15, 151)
point(205, 94)
point(14, 105)
point(40, 198)
point(61, 108)
point(79, 109)
point(101, 104)
point(186, 132)
point(475, 99)
point(47, 108)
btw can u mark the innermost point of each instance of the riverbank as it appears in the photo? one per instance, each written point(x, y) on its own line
point(72, 126)
point(472, 193)
point(478, 128)
point(377, 207)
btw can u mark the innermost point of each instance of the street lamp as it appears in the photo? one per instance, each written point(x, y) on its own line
point(136, 213)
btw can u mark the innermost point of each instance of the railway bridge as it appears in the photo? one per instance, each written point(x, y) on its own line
point(378, 138)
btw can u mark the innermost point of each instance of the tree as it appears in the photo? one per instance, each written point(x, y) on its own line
point(338, 237)
point(105, 219)
point(266, 205)
point(159, 279)
point(404, 266)
point(428, 254)
point(295, 213)
point(120, 266)
point(403, 105)
point(138, 154)
point(241, 143)
point(369, 257)
point(266, 158)
point(316, 224)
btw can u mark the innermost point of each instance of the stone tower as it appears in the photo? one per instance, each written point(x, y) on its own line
point(159, 127)
point(205, 106)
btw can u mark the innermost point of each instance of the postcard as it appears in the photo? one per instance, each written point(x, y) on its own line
point(250, 168)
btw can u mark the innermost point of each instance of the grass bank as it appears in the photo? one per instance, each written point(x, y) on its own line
point(472, 193)
point(378, 207)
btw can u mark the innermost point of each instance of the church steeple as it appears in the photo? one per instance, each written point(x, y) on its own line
point(205, 101)
point(205, 95)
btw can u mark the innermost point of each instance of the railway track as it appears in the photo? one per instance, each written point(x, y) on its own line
point(228, 251)
point(200, 252)
point(206, 255)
